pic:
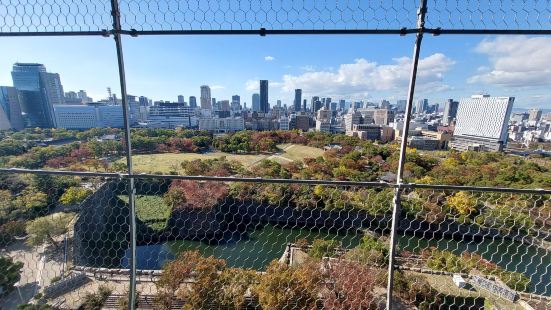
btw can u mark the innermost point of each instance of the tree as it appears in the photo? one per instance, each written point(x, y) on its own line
point(463, 203)
point(369, 251)
point(323, 248)
point(175, 196)
point(75, 195)
point(351, 287)
point(47, 228)
point(288, 287)
point(10, 274)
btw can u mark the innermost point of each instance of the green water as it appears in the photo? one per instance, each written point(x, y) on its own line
point(255, 249)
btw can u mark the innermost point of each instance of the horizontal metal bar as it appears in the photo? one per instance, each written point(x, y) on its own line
point(103, 33)
point(280, 181)
point(439, 31)
point(263, 32)
point(61, 172)
point(477, 188)
point(261, 180)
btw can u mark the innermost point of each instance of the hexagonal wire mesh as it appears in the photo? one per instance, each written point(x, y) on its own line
point(50, 225)
point(94, 16)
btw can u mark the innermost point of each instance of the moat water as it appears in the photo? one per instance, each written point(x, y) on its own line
point(257, 248)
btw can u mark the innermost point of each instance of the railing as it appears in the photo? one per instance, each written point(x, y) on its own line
point(341, 244)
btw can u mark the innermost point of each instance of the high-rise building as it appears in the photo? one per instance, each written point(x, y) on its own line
point(298, 99)
point(83, 96)
point(421, 106)
point(450, 111)
point(304, 102)
point(192, 102)
point(401, 105)
point(327, 103)
point(235, 103)
point(256, 102)
point(38, 92)
point(181, 99)
point(481, 123)
point(534, 115)
point(144, 102)
point(313, 103)
point(213, 102)
point(10, 110)
point(205, 98)
point(342, 105)
point(264, 105)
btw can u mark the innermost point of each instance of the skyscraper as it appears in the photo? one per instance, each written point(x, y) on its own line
point(298, 99)
point(481, 123)
point(421, 106)
point(342, 104)
point(235, 102)
point(534, 115)
point(205, 98)
point(181, 99)
point(192, 102)
point(450, 111)
point(10, 110)
point(264, 106)
point(38, 92)
point(256, 102)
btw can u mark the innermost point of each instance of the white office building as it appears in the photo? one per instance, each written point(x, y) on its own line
point(88, 116)
point(220, 125)
point(481, 123)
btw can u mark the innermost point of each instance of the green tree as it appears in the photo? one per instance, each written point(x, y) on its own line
point(323, 248)
point(47, 228)
point(74, 195)
point(10, 273)
point(463, 203)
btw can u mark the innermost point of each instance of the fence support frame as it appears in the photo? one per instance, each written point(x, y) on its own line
point(396, 208)
point(115, 11)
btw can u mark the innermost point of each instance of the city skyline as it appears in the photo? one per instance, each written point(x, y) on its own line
point(362, 73)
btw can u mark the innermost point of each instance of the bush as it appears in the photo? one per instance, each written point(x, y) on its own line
point(370, 251)
point(323, 248)
point(213, 285)
point(416, 290)
point(95, 301)
point(351, 286)
point(10, 273)
point(286, 287)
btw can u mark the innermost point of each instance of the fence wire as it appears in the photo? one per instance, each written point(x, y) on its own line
point(213, 242)
point(93, 17)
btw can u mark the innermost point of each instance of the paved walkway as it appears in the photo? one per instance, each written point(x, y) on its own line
point(38, 269)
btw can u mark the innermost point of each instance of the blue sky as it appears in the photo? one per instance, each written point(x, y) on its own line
point(365, 67)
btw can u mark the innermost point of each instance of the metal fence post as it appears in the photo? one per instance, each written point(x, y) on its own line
point(396, 211)
point(115, 11)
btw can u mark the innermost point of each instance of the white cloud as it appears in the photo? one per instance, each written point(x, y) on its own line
point(217, 87)
point(269, 58)
point(515, 61)
point(361, 77)
point(252, 85)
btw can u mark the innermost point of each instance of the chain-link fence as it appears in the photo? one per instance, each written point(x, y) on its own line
point(131, 240)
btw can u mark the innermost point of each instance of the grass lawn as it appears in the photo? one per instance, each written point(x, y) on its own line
point(152, 210)
point(169, 161)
